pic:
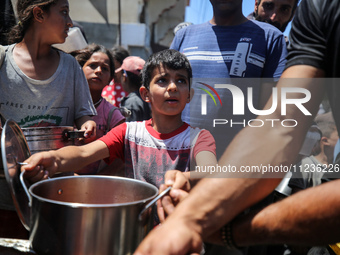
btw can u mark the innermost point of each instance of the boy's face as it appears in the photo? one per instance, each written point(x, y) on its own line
point(168, 91)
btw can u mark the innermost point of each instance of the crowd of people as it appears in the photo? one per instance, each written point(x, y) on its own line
point(309, 217)
point(139, 124)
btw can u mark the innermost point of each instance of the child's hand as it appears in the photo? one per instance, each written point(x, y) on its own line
point(39, 167)
point(180, 188)
point(90, 129)
point(177, 179)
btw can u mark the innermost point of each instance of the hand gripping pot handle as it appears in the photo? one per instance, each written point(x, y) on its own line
point(75, 134)
point(152, 202)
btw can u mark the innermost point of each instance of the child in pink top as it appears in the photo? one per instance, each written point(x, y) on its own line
point(98, 67)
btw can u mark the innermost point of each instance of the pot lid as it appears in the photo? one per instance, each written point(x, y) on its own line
point(15, 150)
point(2, 120)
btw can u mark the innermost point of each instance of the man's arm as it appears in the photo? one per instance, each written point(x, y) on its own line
point(309, 217)
point(276, 146)
point(266, 91)
point(215, 201)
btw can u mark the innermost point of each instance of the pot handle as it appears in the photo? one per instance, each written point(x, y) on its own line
point(2, 120)
point(23, 184)
point(75, 134)
point(153, 201)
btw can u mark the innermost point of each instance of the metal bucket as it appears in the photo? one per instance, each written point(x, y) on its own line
point(89, 215)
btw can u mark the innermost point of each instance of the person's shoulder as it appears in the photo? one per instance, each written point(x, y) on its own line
point(315, 9)
point(192, 29)
point(200, 131)
point(132, 96)
point(138, 125)
point(106, 106)
point(317, 5)
point(270, 32)
point(268, 28)
point(202, 136)
point(62, 53)
point(67, 58)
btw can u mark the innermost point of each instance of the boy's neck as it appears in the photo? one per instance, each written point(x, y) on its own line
point(166, 124)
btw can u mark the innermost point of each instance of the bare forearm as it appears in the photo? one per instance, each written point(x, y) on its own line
point(306, 218)
point(214, 202)
point(72, 158)
point(223, 197)
point(66, 159)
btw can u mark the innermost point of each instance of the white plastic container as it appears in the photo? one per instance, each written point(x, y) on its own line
point(74, 41)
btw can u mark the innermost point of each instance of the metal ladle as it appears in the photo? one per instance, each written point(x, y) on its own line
point(162, 194)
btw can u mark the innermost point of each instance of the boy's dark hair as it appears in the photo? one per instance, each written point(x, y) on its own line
point(171, 59)
point(25, 16)
point(83, 55)
point(134, 80)
point(120, 53)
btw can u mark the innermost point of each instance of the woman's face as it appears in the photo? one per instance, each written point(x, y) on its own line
point(97, 71)
point(57, 22)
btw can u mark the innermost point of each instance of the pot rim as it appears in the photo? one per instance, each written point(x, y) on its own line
point(83, 205)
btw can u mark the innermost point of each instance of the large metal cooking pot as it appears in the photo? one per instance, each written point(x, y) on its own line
point(89, 215)
point(77, 214)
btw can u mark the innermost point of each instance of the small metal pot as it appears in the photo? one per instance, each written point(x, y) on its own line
point(90, 215)
point(45, 138)
point(50, 138)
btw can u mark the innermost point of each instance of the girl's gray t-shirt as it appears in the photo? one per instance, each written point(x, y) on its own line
point(56, 101)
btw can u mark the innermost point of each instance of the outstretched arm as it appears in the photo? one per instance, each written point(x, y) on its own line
point(66, 159)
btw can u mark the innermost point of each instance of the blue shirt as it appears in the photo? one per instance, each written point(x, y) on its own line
point(220, 55)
